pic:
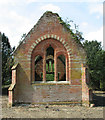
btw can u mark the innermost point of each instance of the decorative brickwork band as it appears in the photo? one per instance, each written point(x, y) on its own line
point(46, 37)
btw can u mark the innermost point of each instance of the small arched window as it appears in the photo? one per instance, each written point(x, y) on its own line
point(50, 64)
point(38, 68)
point(61, 68)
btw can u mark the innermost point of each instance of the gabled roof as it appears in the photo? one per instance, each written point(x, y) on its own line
point(46, 14)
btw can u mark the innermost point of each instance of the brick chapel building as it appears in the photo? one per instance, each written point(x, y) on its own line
point(50, 66)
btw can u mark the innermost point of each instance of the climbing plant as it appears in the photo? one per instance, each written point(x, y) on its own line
point(74, 32)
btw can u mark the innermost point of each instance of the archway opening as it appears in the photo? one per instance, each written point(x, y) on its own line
point(61, 68)
point(38, 68)
point(50, 64)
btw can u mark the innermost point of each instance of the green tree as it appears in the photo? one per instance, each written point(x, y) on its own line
point(102, 82)
point(7, 59)
point(95, 62)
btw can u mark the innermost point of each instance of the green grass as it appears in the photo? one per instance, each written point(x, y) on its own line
point(50, 77)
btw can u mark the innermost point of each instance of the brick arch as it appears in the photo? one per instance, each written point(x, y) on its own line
point(61, 53)
point(61, 40)
point(38, 53)
point(44, 37)
point(52, 45)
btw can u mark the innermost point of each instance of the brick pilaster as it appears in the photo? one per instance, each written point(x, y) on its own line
point(55, 67)
point(44, 67)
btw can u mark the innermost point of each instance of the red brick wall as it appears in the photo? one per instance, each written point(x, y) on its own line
point(49, 25)
point(50, 93)
point(48, 31)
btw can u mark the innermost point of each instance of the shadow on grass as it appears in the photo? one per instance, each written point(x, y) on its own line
point(99, 99)
point(5, 90)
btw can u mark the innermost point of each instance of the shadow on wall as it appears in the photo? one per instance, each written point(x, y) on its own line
point(23, 89)
point(22, 77)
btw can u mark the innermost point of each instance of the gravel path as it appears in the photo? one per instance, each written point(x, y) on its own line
point(53, 111)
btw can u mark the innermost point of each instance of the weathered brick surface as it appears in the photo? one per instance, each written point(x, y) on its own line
point(48, 31)
point(50, 93)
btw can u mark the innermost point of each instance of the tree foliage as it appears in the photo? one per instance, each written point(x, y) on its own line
point(7, 59)
point(96, 63)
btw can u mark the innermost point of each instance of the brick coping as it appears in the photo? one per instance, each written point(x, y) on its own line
point(54, 83)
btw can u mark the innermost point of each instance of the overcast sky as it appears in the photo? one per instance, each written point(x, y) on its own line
point(19, 16)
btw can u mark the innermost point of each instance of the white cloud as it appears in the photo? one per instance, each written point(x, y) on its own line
point(50, 7)
point(6, 1)
point(84, 24)
point(95, 35)
point(14, 25)
point(50, 1)
point(14, 2)
point(31, 1)
point(96, 8)
point(11, 2)
point(98, 16)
